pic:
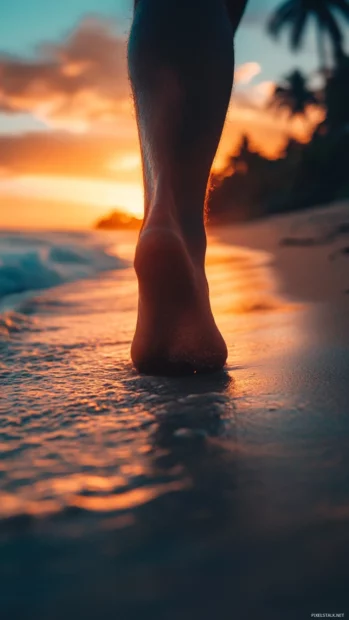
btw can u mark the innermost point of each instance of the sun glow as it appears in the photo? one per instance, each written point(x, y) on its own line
point(93, 197)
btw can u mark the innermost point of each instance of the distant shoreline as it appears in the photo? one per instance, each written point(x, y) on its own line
point(118, 220)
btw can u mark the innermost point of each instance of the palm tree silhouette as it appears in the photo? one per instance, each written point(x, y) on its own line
point(295, 15)
point(294, 95)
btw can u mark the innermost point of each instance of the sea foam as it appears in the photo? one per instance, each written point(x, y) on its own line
point(32, 262)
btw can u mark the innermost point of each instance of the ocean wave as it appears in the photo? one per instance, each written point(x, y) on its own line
point(41, 261)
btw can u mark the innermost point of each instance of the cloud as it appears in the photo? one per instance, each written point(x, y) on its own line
point(81, 84)
point(77, 83)
point(252, 96)
point(72, 155)
point(246, 72)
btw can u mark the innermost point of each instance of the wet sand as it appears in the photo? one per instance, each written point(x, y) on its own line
point(206, 497)
point(309, 248)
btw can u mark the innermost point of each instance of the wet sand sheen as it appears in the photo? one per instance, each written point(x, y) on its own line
point(82, 334)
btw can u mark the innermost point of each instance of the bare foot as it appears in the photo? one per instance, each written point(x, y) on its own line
point(176, 332)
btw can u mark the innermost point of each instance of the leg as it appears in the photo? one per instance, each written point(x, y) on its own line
point(181, 64)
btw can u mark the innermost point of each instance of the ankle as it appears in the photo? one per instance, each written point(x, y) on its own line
point(187, 224)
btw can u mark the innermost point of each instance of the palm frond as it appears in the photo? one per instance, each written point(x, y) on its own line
point(342, 6)
point(329, 22)
point(293, 95)
point(298, 29)
point(282, 16)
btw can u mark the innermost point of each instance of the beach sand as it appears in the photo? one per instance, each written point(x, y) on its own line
point(222, 496)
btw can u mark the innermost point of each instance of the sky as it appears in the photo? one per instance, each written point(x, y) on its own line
point(68, 141)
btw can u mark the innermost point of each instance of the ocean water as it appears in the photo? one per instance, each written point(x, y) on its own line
point(126, 496)
point(36, 261)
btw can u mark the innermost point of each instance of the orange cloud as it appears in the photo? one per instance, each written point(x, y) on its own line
point(246, 72)
point(72, 155)
point(76, 84)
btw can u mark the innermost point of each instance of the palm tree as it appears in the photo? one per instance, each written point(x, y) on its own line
point(295, 14)
point(294, 95)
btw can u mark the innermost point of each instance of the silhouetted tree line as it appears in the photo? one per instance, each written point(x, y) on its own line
point(252, 185)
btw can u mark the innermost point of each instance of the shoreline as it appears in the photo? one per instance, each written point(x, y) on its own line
point(309, 263)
